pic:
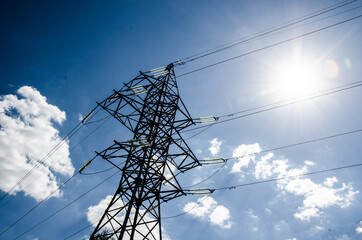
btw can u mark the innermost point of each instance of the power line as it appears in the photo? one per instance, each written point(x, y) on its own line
point(302, 143)
point(278, 148)
point(288, 102)
point(266, 181)
point(264, 33)
point(271, 45)
point(183, 213)
point(288, 177)
point(37, 205)
point(98, 120)
point(326, 91)
point(213, 174)
point(102, 171)
point(67, 205)
point(99, 126)
point(80, 230)
point(261, 32)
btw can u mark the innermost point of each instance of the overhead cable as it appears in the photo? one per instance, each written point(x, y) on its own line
point(288, 177)
point(266, 32)
point(225, 160)
point(301, 143)
point(38, 204)
point(284, 103)
point(183, 213)
point(270, 46)
point(80, 230)
point(67, 205)
point(266, 181)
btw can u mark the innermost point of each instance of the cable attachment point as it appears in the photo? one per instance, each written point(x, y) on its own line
point(212, 161)
point(140, 142)
point(86, 165)
point(137, 90)
point(200, 191)
point(205, 120)
point(87, 116)
point(159, 71)
point(151, 208)
point(168, 180)
point(179, 63)
point(113, 96)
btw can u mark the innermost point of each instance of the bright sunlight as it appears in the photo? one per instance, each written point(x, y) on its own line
point(296, 77)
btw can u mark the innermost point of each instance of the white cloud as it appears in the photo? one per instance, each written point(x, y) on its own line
point(27, 134)
point(215, 146)
point(310, 163)
point(329, 182)
point(208, 209)
point(220, 216)
point(359, 228)
point(202, 209)
point(245, 154)
point(316, 196)
point(262, 168)
point(343, 237)
point(307, 213)
point(318, 228)
point(252, 215)
point(94, 214)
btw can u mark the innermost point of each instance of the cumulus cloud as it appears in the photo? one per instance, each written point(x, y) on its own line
point(359, 228)
point(215, 146)
point(244, 154)
point(208, 209)
point(317, 196)
point(94, 214)
point(27, 134)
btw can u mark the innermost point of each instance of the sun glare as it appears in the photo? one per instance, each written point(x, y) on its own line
point(296, 77)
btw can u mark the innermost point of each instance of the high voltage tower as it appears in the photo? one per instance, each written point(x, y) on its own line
point(151, 108)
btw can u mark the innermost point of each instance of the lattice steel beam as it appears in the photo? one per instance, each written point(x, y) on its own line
point(151, 108)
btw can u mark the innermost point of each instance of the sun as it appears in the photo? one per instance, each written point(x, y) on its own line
point(296, 77)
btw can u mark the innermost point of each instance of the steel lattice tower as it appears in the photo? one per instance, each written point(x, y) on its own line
point(151, 108)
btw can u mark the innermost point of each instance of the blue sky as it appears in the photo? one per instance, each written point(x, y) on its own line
point(58, 58)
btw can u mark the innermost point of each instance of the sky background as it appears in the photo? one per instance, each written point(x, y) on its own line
point(58, 58)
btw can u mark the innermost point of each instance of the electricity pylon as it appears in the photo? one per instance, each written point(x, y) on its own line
point(151, 108)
